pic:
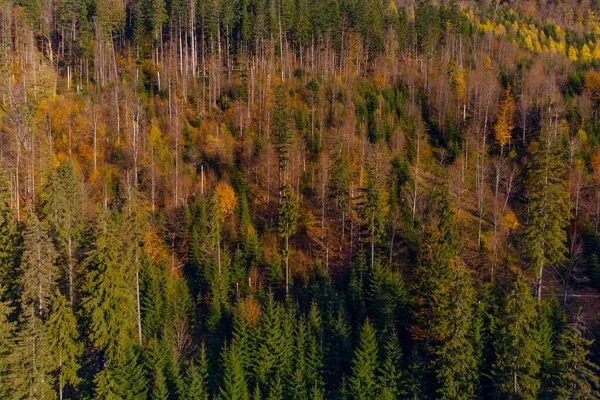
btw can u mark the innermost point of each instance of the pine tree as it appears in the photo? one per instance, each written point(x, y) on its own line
point(455, 362)
point(287, 225)
point(234, 385)
point(62, 202)
point(515, 371)
point(374, 209)
point(65, 347)
point(6, 344)
point(37, 264)
point(390, 373)
point(109, 302)
point(197, 375)
point(547, 204)
point(32, 364)
point(8, 237)
point(281, 131)
point(122, 378)
point(362, 383)
point(577, 376)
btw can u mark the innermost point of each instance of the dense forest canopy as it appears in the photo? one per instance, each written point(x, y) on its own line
point(299, 199)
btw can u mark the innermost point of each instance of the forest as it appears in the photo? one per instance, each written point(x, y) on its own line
point(299, 199)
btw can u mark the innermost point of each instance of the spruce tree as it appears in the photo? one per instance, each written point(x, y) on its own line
point(65, 347)
point(62, 201)
point(362, 384)
point(6, 344)
point(547, 204)
point(390, 372)
point(517, 359)
point(234, 386)
point(196, 379)
point(109, 301)
point(9, 242)
point(287, 225)
point(576, 376)
point(32, 363)
point(37, 264)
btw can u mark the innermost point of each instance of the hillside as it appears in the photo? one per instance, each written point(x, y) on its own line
point(295, 199)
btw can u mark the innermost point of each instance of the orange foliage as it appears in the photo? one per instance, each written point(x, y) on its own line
point(227, 199)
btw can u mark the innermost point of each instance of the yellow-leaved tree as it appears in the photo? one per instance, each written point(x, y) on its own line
point(504, 127)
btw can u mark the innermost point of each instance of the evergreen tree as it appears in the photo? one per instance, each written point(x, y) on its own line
point(374, 209)
point(280, 130)
point(32, 364)
point(6, 344)
point(390, 372)
point(37, 264)
point(515, 370)
point(234, 385)
point(196, 380)
point(9, 242)
point(287, 225)
point(547, 204)
point(122, 378)
point(109, 302)
point(577, 376)
point(62, 201)
point(64, 342)
point(362, 384)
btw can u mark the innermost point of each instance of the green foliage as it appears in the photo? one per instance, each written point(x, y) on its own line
point(362, 384)
point(65, 346)
point(518, 352)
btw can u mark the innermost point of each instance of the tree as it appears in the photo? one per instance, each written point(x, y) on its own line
point(287, 225)
point(547, 205)
point(109, 301)
point(197, 375)
point(576, 375)
point(234, 385)
point(6, 344)
point(503, 127)
point(37, 264)
point(62, 202)
point(517, 350)
point(32, 363)
point(281, 131)
point(64, 343)
point(362, 384)
point(390, 372)
point(374, 209)
point(9, 242)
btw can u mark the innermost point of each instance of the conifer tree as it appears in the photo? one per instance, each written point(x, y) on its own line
point(65, 347)
point(287, 225)
point(37, 264)
point(62, 202)
point(503, 127)
point(515, 370)
point(196, 380)
point(390, 372)
point(280, 130)
point(109, 301)
point(547, 204)
point(6, 344)
point(576, 376)
point(8, 237)
point(374, 209)
point(234, 386)
point(362, 384)
point(32, 365)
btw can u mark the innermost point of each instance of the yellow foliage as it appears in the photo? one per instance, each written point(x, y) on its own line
point(510, 222)
point(504, 127)
point(586, 54)
point(573, 53)
point(227, 199)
